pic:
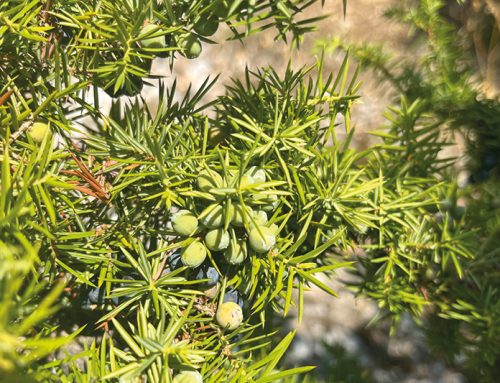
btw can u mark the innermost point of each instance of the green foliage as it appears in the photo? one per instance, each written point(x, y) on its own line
point(441, 79)
point(94, 233)
point(27, 298)
point(437, 257)
point(144, 233)
point(106, 42)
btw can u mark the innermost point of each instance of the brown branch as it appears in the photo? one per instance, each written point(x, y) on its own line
point(5, 96)
point(86, 172)
point(24, 127)
point(50, 47)
point(48, 5)
point(71, 172)
point(87, 191)
point(98, 189)
point(162, 266)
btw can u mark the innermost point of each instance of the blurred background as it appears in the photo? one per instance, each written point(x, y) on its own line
point(347, 337)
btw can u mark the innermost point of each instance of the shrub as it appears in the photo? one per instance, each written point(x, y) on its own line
point(437, 261)
point(166, 254)
point(119, 242)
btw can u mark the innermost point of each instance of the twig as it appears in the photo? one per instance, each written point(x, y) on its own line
point(48, 5)
point(96, 189)
point(5, 96)
point(48, 48)
point(24, 127)
point(162, 266)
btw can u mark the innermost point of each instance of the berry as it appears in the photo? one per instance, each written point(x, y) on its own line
point(211, 291)
point(447, 204)
point(209, 273)
point(220, 8)
point(213, 216)
point(260, 217)
point(430, 273)
point(65, 35)
point(233, 295)
point(252, 176)
point(206, 27)
point(239, 215)
point(217, 239)
point(209, 180)
point(184, 223)
point(212, 275)
point(96, 296)
point(274, 228)
point(190, 44)
point(216, 135)
point(458, 212)
point(166, 271)
point(246, 181)
point(188, 377)
point(237, 252)
point(229, 315)
point(38, 131)
point(175, 261)
point(262, 238)
point(267, 202)
point(439, 217)
point(256, 175)
point(152, 42)
point(194, 255)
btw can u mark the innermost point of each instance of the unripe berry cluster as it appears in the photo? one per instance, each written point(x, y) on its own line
point(230, 225)
point(231, 222)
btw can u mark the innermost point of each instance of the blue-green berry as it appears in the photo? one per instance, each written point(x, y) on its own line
point(217, 239)
point(213, 216)
point(184, 223)
point(209, 273)
point(194, 254)
point(261, 239)
point(188, 377)
point(237, 252)
point(229, 315)
point(233, 295)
